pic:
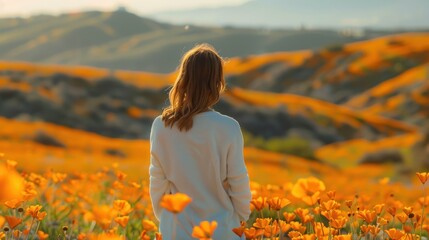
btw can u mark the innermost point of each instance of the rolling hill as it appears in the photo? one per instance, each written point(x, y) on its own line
point(334, 74)
point(405, 97)
point(350, 99)
point(123, 40)
point(123, 104)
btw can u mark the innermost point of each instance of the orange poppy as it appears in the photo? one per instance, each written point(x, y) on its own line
point(42, 235)
point(367, 215)
point(343, 237)
point(402, 217)
point(251, 233)
point(395, 234)
point(148, 225)
point(205, 230)
point(378, 208)
point(331, 195)
point(144, 236)
point(11, 184)
point(261, 223)
point(271, 230)
point(259, 203)
point(175, 203)
point(339, 222)
point(329, 205)
point(423, 176)
point(122, 206)
point(308, 189)
point(41, 215)
point(374, 230)
point(14, 203)
point(122, 221)
point(33, 210)
point(13, 221)
point(240, 230)
point(158, 236)
point(277, 203)
point(289, 216)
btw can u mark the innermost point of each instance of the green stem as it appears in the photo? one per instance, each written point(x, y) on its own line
point(29, 231)
point(37, 228)
point(423, 212)
point(280, 227)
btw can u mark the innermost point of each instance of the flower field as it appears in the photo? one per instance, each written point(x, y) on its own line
point(106, 204)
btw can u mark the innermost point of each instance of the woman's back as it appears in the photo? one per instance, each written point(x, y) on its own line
point(206, 163)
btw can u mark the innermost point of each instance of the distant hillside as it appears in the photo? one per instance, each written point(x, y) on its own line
point(335, 74)
point(405, 97)
point(123, 40)
point(369, 90)
point(313, 13)
point(124, 105)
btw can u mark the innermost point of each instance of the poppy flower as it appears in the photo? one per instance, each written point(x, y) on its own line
point(395, 234)
point(329, 205)
point(258, 203)
point(14, 203)
point(205, 230)
point(261, 223)
point(423, 176)
point(33, 210)
point(41, 235)
point(289, 216)
point(11, 184)
point(252, 233)
point(13, 221)
point(122, 221)
point(378, 208)
point(339, 222)
point(343, 237)
point(240, 230)
point(148, 225)
point(41, 215)
point(122, 206)
point(277, 203)
point(175, 203)
point(308, 189)
point(367, 215)
point(271, 230)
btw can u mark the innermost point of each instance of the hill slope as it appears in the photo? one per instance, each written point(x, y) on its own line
point(122, 40)
point(405, 97)
point(333, 74)
point(123, 104)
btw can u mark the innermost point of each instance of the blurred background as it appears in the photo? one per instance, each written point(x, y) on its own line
point(320, 88)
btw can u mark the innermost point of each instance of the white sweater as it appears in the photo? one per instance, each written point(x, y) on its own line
point(207, 164)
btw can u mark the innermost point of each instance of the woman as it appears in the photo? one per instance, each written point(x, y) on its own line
point(198, 151)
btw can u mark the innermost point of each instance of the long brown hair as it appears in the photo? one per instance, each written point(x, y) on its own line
point(197, 87)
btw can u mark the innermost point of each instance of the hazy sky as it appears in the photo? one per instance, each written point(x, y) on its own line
point(29, 7)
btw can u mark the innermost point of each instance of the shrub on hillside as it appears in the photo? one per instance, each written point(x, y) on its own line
point(47, 139)
point(383, 156)
point(289, 145)
point(335, 48)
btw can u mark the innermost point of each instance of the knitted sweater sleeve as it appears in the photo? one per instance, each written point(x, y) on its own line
point(237, 176)
point(159, 185)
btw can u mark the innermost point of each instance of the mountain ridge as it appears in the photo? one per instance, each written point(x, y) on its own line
point(99, 39)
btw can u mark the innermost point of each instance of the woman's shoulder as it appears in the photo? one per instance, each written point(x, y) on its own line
point(226, 121)
point(157, 123)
